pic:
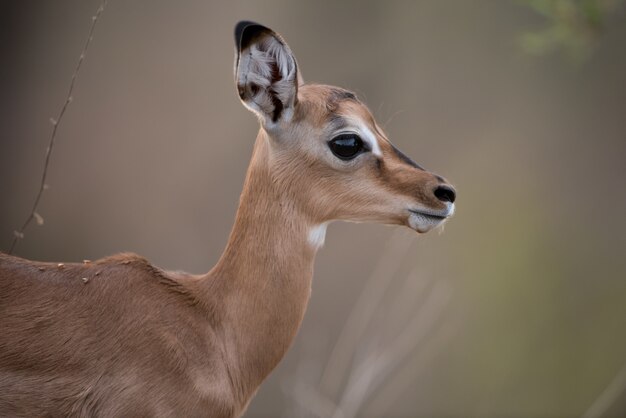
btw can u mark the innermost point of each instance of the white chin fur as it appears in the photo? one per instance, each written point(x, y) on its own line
point(422, 222)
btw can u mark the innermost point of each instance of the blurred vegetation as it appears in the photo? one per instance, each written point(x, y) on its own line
point(573, 26)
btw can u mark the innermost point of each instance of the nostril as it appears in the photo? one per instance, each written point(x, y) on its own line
point(445, 194)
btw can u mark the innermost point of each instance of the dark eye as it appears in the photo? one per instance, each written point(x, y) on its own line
point(346, 146)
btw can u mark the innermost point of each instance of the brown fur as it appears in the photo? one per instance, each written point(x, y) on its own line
point(119, 337)
point(131, 332)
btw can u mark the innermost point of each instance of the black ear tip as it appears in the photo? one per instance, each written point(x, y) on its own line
point(245, 30)
point(240, 27)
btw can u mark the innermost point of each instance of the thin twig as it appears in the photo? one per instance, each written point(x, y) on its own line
point(608, 396)
point(19, 234)
point(368, 376)
point(313, 401)
point(375, 361)
point(362, 313)
point(380, 402)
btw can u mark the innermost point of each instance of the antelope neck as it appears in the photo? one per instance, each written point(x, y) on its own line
point(264, 275)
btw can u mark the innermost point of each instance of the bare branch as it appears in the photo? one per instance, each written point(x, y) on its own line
point(380, 345)
point(19, 234)
point(608, 396)
point(362, 313)
point(368, 376)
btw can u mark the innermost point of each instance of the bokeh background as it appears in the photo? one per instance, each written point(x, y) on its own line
point(518, 309)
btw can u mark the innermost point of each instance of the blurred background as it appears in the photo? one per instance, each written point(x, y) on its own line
point(518, 309)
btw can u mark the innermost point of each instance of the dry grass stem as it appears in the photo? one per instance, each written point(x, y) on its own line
point(33, 215)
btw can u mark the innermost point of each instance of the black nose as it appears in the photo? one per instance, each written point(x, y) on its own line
point(445, 194)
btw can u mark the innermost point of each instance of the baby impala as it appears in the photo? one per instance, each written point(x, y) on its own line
point(119, 337)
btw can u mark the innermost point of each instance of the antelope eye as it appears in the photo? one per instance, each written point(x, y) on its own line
point(346, 146)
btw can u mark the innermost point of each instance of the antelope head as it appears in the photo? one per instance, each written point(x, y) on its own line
point(324, 149)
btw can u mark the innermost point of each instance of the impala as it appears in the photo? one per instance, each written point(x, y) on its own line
point(119, 337)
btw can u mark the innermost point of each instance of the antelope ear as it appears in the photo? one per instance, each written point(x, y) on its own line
point(266, 73)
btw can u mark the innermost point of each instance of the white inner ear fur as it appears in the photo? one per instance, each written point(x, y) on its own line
point(262, 88)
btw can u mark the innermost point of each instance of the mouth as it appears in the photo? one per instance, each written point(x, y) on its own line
point(423, 220)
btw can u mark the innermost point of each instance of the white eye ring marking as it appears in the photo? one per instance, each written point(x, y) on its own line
point(366, 135)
